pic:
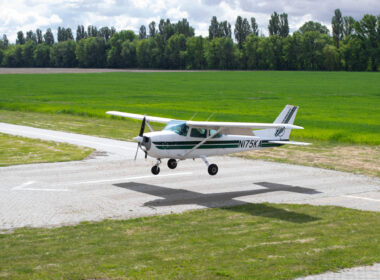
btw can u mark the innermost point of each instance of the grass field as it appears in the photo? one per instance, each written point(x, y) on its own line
point(334, 106)
point(20, 150)
point(253, 241)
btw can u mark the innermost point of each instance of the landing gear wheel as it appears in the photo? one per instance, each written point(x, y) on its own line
point(155, 170)
point(212, 169)
point(172, 163)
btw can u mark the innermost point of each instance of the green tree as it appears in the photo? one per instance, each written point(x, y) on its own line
point(142, 32)
point(81, 33)
point(31, 36)
point(348, 26)
point(250, 46)
point(91, 52)
point(49, 37)
point(166, 29)
point(39, 36)
point(195, 56)
point(331, 58)
point(313, 43)
point(145, 53)
point(337, 27)
point(213, 30)
point(128, 54)
point(284, 25)
point(254, 26)
point(63, 54)
point(175, 51)
point(292, 51)
point(114, 58)
point(41, 55)
point(105, 33)
point(313, 26)
point(274, 24)
point(5, 41)
point(92, 31)
point(20, 38)
point(183, 27)
point(354, 54)
point(265, 54)
point(13, 57)
point(242, 30)
point(225, 29)
point(27, 53)
point(221, 54)
point(152, 30)
point(367, 31)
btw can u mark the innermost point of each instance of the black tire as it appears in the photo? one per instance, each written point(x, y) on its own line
point(172, 163)
point(155, 170)
point(212, 169)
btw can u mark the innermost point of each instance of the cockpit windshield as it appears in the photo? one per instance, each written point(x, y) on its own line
point(178, 127)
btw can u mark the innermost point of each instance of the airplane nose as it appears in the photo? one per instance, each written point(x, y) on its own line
point(138, 139)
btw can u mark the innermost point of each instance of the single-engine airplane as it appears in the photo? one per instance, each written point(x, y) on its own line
point(180, 139)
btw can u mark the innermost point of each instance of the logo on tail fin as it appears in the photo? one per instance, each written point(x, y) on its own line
point(281, 131)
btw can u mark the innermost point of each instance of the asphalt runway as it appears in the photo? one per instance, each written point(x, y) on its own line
point(111, 185)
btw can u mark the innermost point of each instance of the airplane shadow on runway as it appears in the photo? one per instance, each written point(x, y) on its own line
point(173, 197)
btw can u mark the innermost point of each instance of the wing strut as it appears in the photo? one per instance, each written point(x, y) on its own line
point(203, 141)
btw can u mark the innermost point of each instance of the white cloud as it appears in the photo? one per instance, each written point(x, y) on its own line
point(27, 15)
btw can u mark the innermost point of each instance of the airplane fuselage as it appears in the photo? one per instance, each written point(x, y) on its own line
point(167, 144)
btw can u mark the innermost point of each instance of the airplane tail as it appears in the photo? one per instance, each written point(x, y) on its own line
point(287, 116)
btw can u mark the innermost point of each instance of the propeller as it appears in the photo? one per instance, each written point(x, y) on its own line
point(140, 138)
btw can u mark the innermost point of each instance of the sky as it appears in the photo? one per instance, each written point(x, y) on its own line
point(24, 15)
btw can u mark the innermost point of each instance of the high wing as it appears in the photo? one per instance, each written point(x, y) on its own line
point(139, 117)
point(217, 125)
point(209, 125)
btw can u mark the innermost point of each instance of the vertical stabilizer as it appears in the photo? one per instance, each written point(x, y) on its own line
point(287, 116)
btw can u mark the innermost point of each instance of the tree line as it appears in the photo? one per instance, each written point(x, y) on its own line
point(354, 45)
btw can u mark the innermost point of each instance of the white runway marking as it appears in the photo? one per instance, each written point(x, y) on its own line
point(122, 179)
point(23, 187)
point(360, 197)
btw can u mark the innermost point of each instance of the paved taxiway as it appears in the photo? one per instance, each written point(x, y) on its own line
point(112, 185)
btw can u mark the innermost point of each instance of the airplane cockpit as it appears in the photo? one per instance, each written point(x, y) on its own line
point(180, 128)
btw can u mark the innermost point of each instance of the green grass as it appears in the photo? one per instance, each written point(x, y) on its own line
point(20, 150)
point(253, 241)
point(334, 106)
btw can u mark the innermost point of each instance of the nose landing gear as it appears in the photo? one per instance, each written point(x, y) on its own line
point(156, 168)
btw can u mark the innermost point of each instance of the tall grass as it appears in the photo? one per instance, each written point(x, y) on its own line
point(334, 106)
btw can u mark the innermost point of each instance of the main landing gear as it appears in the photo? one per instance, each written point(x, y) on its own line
point(211, 168)
point(172, 164)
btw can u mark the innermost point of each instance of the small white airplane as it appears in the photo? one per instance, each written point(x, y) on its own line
point(180, 140)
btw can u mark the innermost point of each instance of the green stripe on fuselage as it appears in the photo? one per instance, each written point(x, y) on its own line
point(195, 142)
point(186, 147)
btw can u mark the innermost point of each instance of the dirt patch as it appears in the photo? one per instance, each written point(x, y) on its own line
point(349, 158)
point(79, 70)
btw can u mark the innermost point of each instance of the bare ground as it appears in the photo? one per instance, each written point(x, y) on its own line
point(350, 158)
point(78, 70)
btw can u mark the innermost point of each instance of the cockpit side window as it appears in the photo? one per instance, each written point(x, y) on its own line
point(178, 127)
point(215, 135)
point(198, 132)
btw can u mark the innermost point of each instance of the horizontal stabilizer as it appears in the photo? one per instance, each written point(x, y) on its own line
point(290, 143)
